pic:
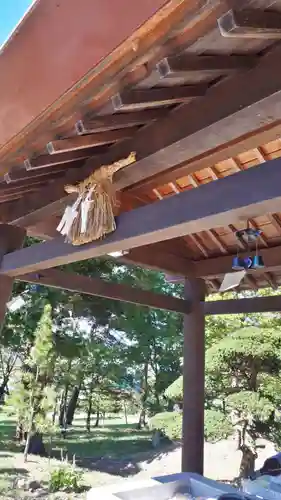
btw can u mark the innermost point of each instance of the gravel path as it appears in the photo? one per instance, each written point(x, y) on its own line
point(222, 461)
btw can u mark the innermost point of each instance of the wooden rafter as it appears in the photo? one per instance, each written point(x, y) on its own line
point(87, 141)
point(48, 160)
point(158, 144)
point(117, 121)
point(251, 23)
point(183, 65)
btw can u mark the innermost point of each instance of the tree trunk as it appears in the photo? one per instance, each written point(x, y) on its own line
point(125, 413)
point(72, 405)
point(63, 406)
point(30, 429)
point(20, 432)
point(3, 389)
point(247, 465)
point(55, 410)
point(89, 414)
point(97, 419)
point(34, 445)
point(142, 417)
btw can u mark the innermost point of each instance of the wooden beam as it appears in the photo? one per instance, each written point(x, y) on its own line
point(117, 121)
point(251, 23)
point(48, 160)
point(159, 260)
point(195, 210)
point(86, 141)
point(183, 65)
point(218, 267)
point(193, 379)
point(244, 306)
point(99, 288)
point(144, 98)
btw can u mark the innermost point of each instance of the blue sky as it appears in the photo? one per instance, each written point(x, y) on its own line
point(11, 11)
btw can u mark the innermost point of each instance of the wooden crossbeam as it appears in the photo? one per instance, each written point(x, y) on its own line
point(117, 121)
point(159, 259)
point(97, 287)
point(216, 204)
point(86, 141)
point(251, 23)
point(219, 129)
point(183, 65)
point(244, 306)
point(143, 98)
point(218, 267)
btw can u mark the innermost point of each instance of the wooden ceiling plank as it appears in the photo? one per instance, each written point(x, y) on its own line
point(218, 241)
point(117, 121)
point(186, 63)
point(203, 141)
point(251, 23)
point(142, 98)
point(86, 141)
point(202, 209)
point(114, 291)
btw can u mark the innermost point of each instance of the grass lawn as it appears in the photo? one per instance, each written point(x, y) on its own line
point(113, 440)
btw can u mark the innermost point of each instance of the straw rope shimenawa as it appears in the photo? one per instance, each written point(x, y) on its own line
point(92, 217)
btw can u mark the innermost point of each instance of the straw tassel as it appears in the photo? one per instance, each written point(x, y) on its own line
point(91, 217)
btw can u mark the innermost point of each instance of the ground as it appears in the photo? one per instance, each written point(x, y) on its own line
point(108, 454)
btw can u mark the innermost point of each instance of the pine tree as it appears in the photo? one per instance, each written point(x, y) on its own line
point(33, 397)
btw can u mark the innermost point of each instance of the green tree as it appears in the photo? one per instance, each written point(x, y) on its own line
point(32, 397)
point(154, 340)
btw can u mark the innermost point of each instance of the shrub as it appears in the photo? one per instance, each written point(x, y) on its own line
point(65, 478)
point(217, 426)
point(169, 423)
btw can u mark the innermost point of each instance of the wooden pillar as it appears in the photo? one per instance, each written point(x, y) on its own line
point(11, 238)
point(193, 378)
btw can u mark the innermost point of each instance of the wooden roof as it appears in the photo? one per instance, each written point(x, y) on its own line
point(197, 53)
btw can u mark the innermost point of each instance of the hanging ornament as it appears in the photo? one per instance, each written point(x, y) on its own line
point(91, 217)
point(242, 264)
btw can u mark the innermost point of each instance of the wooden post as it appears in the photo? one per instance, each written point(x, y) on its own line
point(193, 378)
point(11, 238)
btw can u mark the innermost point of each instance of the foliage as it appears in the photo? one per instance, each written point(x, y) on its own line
point(175, 390)
point(217, 426)
point(33, 396)
point(169, 423)
point(66, 478)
